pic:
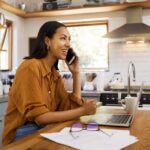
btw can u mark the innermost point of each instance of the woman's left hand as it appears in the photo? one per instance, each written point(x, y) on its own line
point(74, 67)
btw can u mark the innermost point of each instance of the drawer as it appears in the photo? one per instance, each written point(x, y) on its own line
point(109, 98)
point(145, 99)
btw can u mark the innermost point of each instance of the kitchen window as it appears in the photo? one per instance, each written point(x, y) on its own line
point(6, 46)
point(88, 43)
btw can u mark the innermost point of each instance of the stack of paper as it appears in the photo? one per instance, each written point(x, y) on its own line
point(89, 140)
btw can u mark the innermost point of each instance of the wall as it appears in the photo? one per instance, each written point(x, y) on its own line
point(119, 54)
point(18, 37)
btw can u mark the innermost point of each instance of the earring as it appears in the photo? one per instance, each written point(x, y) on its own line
point(47, 47)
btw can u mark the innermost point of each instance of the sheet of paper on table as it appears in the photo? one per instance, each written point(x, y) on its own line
point(87, 140)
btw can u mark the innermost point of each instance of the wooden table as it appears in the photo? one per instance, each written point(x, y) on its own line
point(140, 128)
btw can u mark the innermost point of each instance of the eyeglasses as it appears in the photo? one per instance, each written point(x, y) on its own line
point(77, 127)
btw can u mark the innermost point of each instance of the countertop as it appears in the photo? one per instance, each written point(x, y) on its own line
point(133, 88)
point(125, 91)
point(90, 93)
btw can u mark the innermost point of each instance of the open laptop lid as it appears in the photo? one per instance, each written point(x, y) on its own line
point(140, 91)
point(139, 94)
point(102, 119)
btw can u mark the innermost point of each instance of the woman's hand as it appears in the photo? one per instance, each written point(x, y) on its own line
point(89, 107)
point(74, 67)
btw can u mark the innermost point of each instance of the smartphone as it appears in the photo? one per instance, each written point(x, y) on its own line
point(70, 56)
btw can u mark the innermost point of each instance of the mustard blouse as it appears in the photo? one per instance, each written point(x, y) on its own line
point(36, 90)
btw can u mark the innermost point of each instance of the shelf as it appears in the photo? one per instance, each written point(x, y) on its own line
point(12, 9)
point(73, 11)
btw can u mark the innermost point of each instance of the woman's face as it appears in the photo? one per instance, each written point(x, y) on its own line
point(60, 43)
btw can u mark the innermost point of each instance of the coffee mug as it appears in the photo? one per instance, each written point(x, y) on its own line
point(130, 104)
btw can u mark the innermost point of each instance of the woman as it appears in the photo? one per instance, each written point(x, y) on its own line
point(38, 96)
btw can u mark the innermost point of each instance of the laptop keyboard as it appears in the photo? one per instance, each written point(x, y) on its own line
point(119, 119)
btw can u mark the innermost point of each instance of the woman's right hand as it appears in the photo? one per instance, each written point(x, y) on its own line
point(89, 107)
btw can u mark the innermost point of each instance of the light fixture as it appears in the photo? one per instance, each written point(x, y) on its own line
point(2, 21)
point(129, 42)
point(135, 40)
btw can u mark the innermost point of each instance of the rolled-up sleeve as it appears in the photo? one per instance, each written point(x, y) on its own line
point(29, 97)
point(75, 100)
point(67, 100)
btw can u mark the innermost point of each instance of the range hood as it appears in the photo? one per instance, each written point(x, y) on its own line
point(134, 28)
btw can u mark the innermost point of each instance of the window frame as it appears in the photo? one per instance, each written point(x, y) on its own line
point(90, 23)
point(9, 31)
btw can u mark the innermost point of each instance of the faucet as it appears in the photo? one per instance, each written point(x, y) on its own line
point(131, 66)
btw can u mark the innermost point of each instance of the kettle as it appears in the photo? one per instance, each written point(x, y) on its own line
point(116, 81)
point(116, 77)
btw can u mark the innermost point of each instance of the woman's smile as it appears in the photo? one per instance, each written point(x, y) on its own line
point(65, 51)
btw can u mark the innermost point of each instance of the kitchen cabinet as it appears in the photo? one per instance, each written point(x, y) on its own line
point(109, 98)
point(145, 98)
point(3, 106)
point(113, 98)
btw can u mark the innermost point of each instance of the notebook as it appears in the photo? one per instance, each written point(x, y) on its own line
point(117, 119)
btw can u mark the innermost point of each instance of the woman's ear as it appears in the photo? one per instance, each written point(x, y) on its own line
point(46, 40)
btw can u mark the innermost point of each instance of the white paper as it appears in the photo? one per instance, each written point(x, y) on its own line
point(89, 140)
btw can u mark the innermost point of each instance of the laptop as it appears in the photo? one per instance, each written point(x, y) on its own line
point(113, 119)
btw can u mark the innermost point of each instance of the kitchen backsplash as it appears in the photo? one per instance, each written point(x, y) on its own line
point(120, 54)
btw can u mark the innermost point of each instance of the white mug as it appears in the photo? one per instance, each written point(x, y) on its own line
point(130, 104)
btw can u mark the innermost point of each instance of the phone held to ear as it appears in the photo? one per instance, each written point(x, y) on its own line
point(70, 57)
